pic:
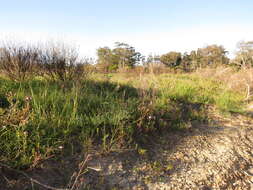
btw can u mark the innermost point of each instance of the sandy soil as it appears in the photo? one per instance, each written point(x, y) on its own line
point(214, 156)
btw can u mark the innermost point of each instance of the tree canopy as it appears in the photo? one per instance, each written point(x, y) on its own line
point(123, 55)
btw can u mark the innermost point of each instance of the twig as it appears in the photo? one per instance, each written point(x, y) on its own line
point(30, 178)
point(80, 172)
point(248, 91)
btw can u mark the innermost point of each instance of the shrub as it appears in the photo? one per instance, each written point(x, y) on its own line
point(171, 59)
point(61, 63)
point(18, 62)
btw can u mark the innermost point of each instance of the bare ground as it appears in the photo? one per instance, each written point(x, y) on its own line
point(214, 156)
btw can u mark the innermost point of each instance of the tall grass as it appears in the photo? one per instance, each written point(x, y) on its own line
point(60, 117)
point(44, 119)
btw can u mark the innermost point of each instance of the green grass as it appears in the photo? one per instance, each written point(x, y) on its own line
point(40, 119)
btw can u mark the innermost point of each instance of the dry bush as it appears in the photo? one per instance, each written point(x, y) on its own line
point(61, 62)
point(159, 69)
point(141, 70)
point(133, 71)
point(89, 68)
point(237, 80)
point(18, 62)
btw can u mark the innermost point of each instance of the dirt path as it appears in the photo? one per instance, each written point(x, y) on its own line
point(205, 157)
point(216, 156)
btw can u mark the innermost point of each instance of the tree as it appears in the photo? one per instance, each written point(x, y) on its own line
point(106, 59)
point(244, 54)
point(212, 55)
point(126, 55)
point(171, 59)
point(186, 62)
point(195, 60)
point(122, 56)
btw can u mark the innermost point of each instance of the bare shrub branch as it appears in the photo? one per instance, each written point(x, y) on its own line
point(61, 62)
point(18, 62)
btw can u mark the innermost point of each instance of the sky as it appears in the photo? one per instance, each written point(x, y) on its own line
point(151, 26)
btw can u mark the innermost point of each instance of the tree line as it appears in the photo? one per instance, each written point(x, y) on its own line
point(61, 62)
point(124, 55)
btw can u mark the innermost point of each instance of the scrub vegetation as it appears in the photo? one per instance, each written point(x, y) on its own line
point(54, 104)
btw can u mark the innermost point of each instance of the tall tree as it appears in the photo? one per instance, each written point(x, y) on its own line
point(195, 60)
point(126, 55)
point(106, 59)
point(123, 55)
point(171, 59)
point(212, 55)
point(186, 62)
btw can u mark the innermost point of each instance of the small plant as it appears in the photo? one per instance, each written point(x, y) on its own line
point(142, 152)
point(13, 121)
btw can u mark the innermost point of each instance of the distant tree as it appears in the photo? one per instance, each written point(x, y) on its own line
point(186, 62)
point(212, 55)
point(122, 56)
point(195, 60)
point(244, 54)
point(126, 55)
point(104, 55)
point(171, 59)
point(106, 59)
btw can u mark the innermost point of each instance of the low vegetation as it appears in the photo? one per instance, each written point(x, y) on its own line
point(50, 106)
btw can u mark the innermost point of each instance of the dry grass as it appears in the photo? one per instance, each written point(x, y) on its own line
point(239, 81)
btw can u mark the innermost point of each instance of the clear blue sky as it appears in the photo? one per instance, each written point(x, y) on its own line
point(152, 26)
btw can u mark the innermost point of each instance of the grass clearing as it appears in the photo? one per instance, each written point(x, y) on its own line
point(40, 118)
